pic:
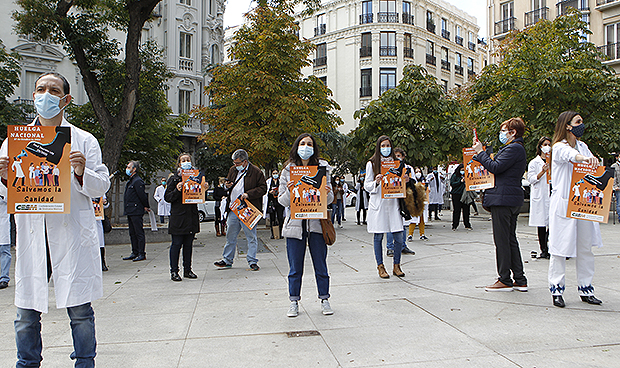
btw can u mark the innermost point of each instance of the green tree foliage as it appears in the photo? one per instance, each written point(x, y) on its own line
point(152, 139)
point(82, 27)
point(335, 148)
point(212, 164)
point(262, 102)
point(544, 70)
point(10, 114)
point(417, 115)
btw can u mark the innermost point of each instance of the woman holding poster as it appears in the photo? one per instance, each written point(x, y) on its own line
point(539, 193)
point(570, 237)
point(383, 214)
point(298, 233)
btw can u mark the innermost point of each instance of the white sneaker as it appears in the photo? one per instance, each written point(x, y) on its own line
point(293, 310)
point(409, 238)
point(340, 226)
point(326, 308)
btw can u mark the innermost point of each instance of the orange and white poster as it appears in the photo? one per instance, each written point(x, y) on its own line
point(246, 212)
point(308, 196)
point(39, 169)
point(590, 193)
point(98, 207)
point(392, 183)
point(193, 187)
point(547, 158)
point(476, 176)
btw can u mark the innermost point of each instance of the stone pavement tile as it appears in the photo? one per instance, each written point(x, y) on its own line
point(495, 361)
point(264, 350)
point(139, 354)
point(124, 327)
point(131, 301)
point(579, 357)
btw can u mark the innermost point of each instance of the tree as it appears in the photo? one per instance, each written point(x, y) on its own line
point(213, 165)
point(417, 115)
point(152, 139)
point(335, 148)
point(544, 70)
point(81, 26)
point(261, 102)
point(10, 114)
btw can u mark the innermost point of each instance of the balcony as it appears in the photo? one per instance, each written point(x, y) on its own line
point(320, 30)
point(387, 50)
point(365, 51)
point(186, 64)
point(458, 69)
point(320, 61)
point(431, 59)
point(383, 89)
point(366, 91)
point(408, 52)
point(445, 34)
point(471, 46)
point(366, 18)
point(562, 6)
point(430, 27)
point(536, 15)
point(408, 18)
point(504, 26)
point(611, 51)
point(458, 40)
point(445, 65)
point(387, 17)
point(470, 73)
point(30, 103)
point(603, 2)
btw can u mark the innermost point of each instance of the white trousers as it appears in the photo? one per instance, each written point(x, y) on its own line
point(584, 263)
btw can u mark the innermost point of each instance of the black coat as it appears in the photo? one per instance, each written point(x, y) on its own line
point(508, 166)
point(135, 197)
point(183, 217)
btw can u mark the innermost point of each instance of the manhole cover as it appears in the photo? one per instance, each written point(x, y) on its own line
point(303, 333)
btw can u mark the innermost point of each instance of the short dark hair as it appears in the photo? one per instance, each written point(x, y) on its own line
point(65, 84)
point(540, 143)
point(400, 150)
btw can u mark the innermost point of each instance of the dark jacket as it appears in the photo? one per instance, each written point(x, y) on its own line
point(254, 184)
point(183, 217)
point(135, 197)
point(456, 185)
point(508, 167)
point(219, 193)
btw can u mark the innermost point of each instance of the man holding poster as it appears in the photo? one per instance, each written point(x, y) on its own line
point(64, 245)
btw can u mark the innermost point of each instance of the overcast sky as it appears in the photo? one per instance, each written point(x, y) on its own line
point(236, 8)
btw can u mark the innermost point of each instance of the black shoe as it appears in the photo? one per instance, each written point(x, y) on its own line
point(544, 255)
point(317, 179)
point(140, 258)
point(52, 151)
point(132, 256)
point(189, 275)
point(254, 267)
point(174, 276)
point(222, 264)
point(398, 171)
point(104, 267)
point(591, 299)
point(558, 301)
point(407, 251)
point(4, 284)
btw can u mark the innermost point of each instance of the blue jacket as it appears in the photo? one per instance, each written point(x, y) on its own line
point(508, 166)
point(135, 197)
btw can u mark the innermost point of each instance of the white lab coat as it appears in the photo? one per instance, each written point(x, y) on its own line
point(362, 196)
point(383, 214)
point(539, 194)
point(73, 241)
point(163, 207)
point(435, 196)
point(5, 223)
point(563, 230)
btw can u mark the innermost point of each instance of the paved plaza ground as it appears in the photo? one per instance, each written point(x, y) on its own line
point(438, 315)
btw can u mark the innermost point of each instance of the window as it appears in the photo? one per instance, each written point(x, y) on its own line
point(507, 22)
point(186, 2)
point(215, 54)
point(457, 37)
point(366, 16)
point(388, 44)
point(28, 84)
point(185, 101)
point(507, 10)
point(538, 4)
point(387, 79)
point(539, 11)
point(444, 29)
point(458, 63)
point(186, 45)
point(430, 22)
point(366, 49)
point(212, 7)
point(430, 53)
point(323, 80)
point(366, 83)
point(470, 66)
point(407, 49)
point(472, 41)
point(444, 84)
point(445, 64)
point(407, 16)
point(387, 11)
point(321, 55)
point(321, 26)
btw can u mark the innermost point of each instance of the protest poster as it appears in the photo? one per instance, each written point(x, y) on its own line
point(308, 195)
point(98, 207)
point(590, 193)
point(547, 158)
point(392, 183)
point(39, 175)
point(193, 187)
point(476, 176)
point(246, 212)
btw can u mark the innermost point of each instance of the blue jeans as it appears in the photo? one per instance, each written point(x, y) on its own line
point(398, 242)
point(390, 240)
point(5, 262)
point(28, 336)
point(296, 252)
point(618, 203)
point(234, 226)
point(337, 211)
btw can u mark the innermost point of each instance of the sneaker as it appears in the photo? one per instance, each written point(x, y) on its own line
point(4, 284)
point(469, 228)
point(222, 264)
point(498, 286)
point(390, 253)
point(254, 267)
point(407, 251)
point(340, 226)
point(293, 310)
point(326, 308)
point(522, 288)
point(410, 238)
point(423, 237)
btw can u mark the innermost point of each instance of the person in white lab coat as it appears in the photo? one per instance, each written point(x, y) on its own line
point(383, 214)
point(539, 194)
point(436, 186)
point(62, 246)
point(5, 241)
point(163, 207)
point(570, 237)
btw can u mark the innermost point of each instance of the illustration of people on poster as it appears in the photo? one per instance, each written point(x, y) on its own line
point(193, 187)
point(392, 183)
point(98, 206)
point(42, 152)
point(309, 199)
point(246, 212)
point(590, 193)
point(476, 176)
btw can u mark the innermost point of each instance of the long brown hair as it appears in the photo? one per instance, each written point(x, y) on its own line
point(376, 158)
point(293, 156)
point(561, 132)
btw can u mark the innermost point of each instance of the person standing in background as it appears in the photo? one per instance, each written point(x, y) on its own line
point(361, 203)
point(436, 185)
point(136, 203)
point(219, 194)
point(539, 194)
point(163, 207)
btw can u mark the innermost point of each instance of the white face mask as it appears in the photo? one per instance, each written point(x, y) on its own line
point(418, 175)
point(545, 149)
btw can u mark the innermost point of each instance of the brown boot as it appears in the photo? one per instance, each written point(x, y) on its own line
point(397, 271)
point(223, 229)
point(382, 272)
point(217, 230)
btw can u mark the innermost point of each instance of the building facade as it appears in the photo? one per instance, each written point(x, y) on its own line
point(190, 32)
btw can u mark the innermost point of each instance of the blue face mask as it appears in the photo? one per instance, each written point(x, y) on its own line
point(128, 172)
point(305, 152)
point(503, 137)
point(47, 105)
point(240, 168)
point(186, 165)
point(385, 151)
point(275, 176)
